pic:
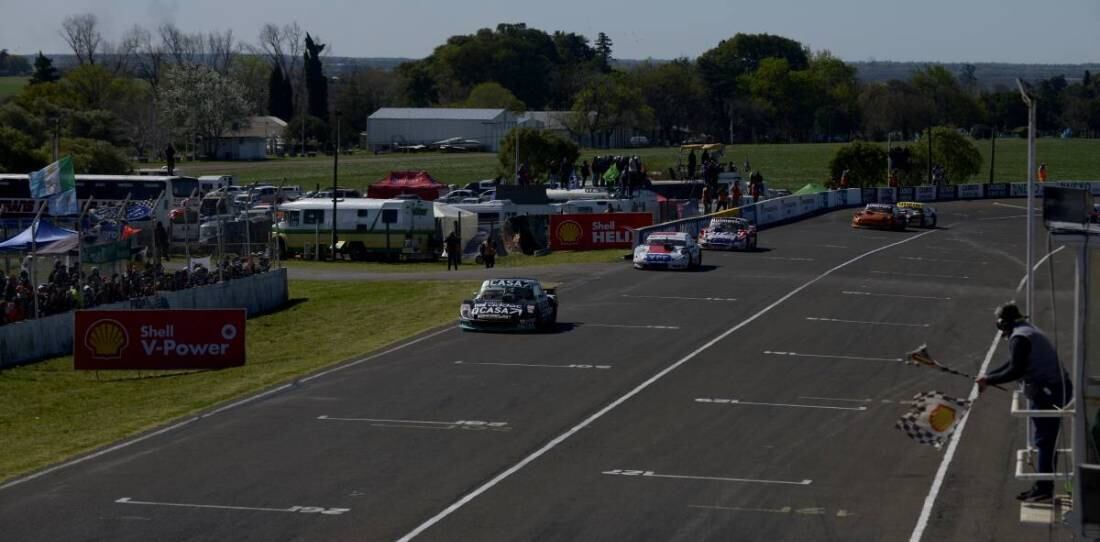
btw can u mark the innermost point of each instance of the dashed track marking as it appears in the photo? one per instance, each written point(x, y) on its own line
point(629, 326)
point(903, 296)
point(829, 356)
point(862, 322)
point(469, 425)
point(718, 401)
point(920, 275)
point(785, 510)
point(651, 474)
point(537, 365)
point(291, 510)
point(681, 298)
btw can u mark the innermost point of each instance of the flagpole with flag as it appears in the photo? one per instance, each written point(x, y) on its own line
point(80, 241)
point(34, 257)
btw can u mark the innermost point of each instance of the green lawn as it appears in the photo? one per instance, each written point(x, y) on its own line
point(511, 261)
point(48, 412)
point(11, 85)
point(783, 165)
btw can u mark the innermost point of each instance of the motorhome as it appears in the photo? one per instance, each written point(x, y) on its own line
point(383, 228)
point(210, 183)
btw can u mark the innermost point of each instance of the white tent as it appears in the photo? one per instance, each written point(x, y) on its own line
point(450, 215)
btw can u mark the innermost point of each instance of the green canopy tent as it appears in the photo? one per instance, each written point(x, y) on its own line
point(811, 188)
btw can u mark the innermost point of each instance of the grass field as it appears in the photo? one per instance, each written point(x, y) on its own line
point(49, 412)
point(11, 85)
point(784, 166)
point(517, 260)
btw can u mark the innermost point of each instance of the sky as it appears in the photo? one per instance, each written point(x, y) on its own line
point(1054, 32)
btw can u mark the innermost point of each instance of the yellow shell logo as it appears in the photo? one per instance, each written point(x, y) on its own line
point(106, 339)
point(569, 232)
point(941, 418)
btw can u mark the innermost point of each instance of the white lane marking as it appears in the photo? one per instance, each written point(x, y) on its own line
point(1009, 217)
point(539, 365)
point(789, 259)
point(292, 510)
point(473, 425)
point(875, 294)
point(626, 326)
point(1023, 281)
point(999, 204)
point(681, 298)
point(836, 399)
point(718, 401)
point(230, 406)
point(651, 474)
point(829, 356)
point(834, 246)
point(937, 260)
point(920, 275)
point(553, 443)
point(838, 320)
point(815, 511)
point(941, 473)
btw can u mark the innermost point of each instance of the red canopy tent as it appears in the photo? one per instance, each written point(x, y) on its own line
point(406, 182)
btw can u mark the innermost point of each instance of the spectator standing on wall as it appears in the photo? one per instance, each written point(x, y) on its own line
point(691, 165)
point(1043, 172)
point(585, 172)
point(735, 194)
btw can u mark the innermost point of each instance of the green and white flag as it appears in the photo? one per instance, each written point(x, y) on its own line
point(53, 179)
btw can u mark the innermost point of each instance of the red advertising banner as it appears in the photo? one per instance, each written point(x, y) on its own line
point(595, 231)
point(154, 340)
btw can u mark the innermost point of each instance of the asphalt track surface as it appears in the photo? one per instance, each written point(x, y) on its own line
point(617, 425)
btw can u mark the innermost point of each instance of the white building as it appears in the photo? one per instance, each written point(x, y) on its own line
point(558, 123)
point(393, 126)
point(254, 139)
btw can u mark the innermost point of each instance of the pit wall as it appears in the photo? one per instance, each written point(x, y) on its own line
point(775, 211)
point(35, 340)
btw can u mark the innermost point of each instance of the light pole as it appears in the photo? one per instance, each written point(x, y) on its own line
point(1031, 101)
point(335, 168)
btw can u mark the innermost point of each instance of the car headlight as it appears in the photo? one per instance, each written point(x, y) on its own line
point(464, 311)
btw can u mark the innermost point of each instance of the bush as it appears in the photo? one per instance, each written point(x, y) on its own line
point(96, 157)
point(865, 162)
point(18, 153)
point(955, 152)
point(537, 148)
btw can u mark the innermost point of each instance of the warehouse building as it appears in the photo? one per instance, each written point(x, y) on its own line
point(403, 127)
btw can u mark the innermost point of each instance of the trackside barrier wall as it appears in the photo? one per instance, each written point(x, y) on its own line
point(763, 213)
point(790, 208)
point(34, 340)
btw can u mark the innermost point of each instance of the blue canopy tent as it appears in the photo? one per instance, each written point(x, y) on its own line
point(47, 233)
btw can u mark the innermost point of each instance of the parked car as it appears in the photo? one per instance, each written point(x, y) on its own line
point(456, 196)
point(458, 144)
point(488, 195)
point(510, 304)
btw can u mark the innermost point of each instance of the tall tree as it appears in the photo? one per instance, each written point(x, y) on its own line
point(82, 35)
point(200, 101)
point(607, 103)
point(603, 52)
point(491, 96)
point(675, 93)
point(280, 96)
point(316, 84)
point(44, 72)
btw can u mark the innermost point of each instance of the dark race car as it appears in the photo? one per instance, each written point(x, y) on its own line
point(728, 234)
point(514, 304)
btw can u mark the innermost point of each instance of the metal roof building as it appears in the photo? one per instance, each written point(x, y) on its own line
point(390, 126)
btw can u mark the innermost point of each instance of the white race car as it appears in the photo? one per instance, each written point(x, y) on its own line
point(918, 214)
point(728, 234)
point(668, 250)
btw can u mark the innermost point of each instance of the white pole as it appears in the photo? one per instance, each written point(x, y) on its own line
point(1029, 293)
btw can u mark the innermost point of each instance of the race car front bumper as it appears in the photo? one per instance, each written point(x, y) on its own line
point(473, 324)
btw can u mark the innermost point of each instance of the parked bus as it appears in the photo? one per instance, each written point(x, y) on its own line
point(16, 201)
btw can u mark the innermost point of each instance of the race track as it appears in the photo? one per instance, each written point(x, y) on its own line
point(752, 400)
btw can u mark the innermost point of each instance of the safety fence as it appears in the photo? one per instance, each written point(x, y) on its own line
point(775, 211)
point(34, 340)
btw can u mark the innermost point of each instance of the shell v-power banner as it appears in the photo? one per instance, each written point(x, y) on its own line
point(155, 340)
point(595, 231)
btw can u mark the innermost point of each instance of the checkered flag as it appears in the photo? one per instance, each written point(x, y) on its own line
point(933, 418)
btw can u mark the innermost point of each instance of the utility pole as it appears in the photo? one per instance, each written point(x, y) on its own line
point(335, 169)
point(1031, 101)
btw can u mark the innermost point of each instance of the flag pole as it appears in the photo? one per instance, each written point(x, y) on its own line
point(187, 229)
point(34, 259)
point(80, 242)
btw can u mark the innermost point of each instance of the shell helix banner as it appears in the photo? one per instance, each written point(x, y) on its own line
point(595, 231)
point(154, 340)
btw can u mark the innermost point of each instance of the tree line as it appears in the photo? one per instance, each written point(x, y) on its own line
point(135, 95)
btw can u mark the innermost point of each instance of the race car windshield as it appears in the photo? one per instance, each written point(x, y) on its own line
point(667, 242)
point(511, 293)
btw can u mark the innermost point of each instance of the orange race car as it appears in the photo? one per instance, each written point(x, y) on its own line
point(883, 216)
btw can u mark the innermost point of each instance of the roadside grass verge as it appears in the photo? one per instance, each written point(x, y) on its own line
point(515, 260)
point(49, 412)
